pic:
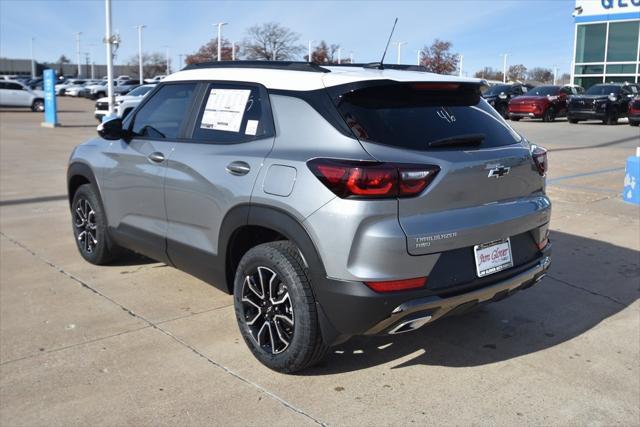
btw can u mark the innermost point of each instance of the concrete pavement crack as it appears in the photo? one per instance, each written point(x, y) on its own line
point(156, 326)
point(564, 282)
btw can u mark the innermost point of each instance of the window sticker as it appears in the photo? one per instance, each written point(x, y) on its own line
point(225, 109)
point(252, 127)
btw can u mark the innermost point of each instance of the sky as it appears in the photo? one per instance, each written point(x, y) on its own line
point(531, 32)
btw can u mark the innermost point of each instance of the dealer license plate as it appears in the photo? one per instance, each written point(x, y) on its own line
point(493, 257)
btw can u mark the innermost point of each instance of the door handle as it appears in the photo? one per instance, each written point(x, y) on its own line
point(156, 157)
point(238, 168)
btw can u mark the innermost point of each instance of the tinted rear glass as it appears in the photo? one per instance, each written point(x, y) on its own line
point(403, 115)
point(603, 89)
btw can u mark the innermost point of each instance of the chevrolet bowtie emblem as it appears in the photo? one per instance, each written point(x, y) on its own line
point(499, 171)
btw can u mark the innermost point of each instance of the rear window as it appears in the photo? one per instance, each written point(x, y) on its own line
point(603, 89)
point(415, 115)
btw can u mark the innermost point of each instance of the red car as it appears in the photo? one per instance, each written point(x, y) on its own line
point(634, 111)
point(542, 102)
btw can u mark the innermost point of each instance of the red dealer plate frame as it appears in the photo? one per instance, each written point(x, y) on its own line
point(499, 257)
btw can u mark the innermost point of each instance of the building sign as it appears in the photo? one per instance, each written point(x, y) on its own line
point(606, 10)
point(50, 111)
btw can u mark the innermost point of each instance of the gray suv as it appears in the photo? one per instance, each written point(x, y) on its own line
point(330, 201)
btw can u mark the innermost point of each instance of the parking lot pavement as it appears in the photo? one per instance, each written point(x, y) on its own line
point(142, 343)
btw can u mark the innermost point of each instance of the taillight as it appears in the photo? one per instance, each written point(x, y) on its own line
point(539, 156)
point(372, 180)
point(397, 285)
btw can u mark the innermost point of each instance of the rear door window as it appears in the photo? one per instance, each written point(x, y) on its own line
point(416, 114)
point(233, 113)
point(161, 117)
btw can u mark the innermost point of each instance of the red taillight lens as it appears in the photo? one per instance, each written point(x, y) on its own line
point(353, 179)
point(397, 285)
point(539, 156)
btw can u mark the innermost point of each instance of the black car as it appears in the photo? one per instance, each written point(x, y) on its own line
point(500, 95)
point(126, 86)
point(607, 102)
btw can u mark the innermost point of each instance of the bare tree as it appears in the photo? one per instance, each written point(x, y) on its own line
point(540, 74)
point(516, 72)
point(271, 41)
point(209, 52)
point(61, 61)
point(324, 54)
point(489, 73)
point(438, 57)
point(153, 64)
point(564, 79)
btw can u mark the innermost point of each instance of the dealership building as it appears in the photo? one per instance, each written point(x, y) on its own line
point(606, 42)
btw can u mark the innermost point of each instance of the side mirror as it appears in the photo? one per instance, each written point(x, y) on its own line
point(111, 129)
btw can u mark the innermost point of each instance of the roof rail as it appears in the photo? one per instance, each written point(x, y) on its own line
point(376, 65)
point(273, 65)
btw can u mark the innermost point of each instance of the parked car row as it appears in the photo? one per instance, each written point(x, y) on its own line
point(607, 102)
point(124, 103)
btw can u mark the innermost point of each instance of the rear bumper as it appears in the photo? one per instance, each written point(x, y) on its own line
point(587, 115)
point(351, 308)
point(524, 114)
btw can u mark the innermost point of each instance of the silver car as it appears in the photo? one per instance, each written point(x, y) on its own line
point(330, 201)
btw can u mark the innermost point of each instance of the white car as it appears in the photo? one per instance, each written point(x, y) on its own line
point(124, 104)
point(61, 88)
point(156, 79)
point(15, 94)
point(98, 90)
point(79, 89)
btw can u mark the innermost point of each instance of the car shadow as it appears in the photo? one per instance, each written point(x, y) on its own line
point(589, 281)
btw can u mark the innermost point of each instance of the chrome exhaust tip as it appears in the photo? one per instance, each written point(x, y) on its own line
point(410, 325)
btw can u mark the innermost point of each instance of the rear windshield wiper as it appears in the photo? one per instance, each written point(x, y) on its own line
point(473, 139)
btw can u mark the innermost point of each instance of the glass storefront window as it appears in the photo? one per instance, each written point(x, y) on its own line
point(589, 69)
point(630, 79)
point(623, 41)
point(620, 69)
point(590, 43)
point(587, 82)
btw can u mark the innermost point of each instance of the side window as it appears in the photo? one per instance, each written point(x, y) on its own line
point(232, 113)
point(162, 116)
point(566, 90)
point(14, 86)
point(3, 85)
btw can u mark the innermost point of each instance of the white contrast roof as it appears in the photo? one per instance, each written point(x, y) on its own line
point(305, 80)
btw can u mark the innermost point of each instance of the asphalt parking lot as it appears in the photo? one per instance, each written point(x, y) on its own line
point(141, 343)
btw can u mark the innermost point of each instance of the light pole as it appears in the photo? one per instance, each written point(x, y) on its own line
point(168, 61)
point(399, 44)
point(419, 58)
point(93, 61)
point(351, 58)
point(461, 63)
point(233, 51)
point(33, 62)
point(555, 74)
point(140, 70)
point(78, 52)
point(309, 55)
point(339, 56)
point(504, 67)
point(220, 24)
point(108, 41)
point(180, 55)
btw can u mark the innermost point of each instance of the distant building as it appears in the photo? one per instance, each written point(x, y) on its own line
point(22, 67)
point(606, 47)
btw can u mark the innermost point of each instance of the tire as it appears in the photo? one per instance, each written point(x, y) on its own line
point(37, 106)
point(100, 95)
point(573, 121)
point(284, 336)
point(634, 123)
point(88, 217)
point(549, 115)
point(612, 119)
point(515, 119)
